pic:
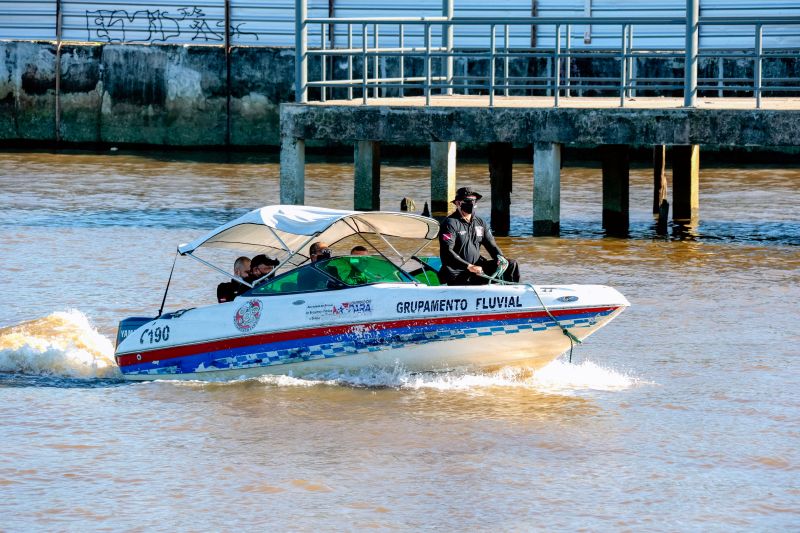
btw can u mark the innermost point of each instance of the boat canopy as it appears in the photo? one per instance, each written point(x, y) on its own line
point(290, 228)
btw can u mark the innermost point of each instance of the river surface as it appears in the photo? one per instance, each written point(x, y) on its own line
point(682, 415)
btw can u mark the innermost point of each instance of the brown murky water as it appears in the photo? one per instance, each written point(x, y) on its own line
point(683, 414)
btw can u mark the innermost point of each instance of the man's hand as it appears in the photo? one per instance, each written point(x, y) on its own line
point(475, 269)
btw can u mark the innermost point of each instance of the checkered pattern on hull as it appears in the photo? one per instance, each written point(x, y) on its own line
point(358, 341)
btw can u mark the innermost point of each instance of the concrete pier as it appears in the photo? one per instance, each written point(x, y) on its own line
point(367, 182)
point(686, 184)
point(293, 171)
point(616, 185)
point(443, 177)
point(501, 159)
point(727, 122)
point(546, 188)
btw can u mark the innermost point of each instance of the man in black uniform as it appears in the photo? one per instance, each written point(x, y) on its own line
point(460, 237)
point(261, 266)
point(227, 291)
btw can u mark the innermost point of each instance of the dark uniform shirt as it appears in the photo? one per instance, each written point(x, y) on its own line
point(227, 291)
point(460, 242)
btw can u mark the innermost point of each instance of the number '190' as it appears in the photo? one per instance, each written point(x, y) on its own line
point(154, 335)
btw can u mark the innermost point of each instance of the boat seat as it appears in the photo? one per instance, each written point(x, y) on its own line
point(289, 286)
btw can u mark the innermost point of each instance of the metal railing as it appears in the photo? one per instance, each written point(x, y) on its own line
point(497, 61)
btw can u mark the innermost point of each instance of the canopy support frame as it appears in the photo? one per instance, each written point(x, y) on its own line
point(214, 267)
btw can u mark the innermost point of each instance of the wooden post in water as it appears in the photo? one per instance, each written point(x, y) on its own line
point(660, 203)
point(546, 188)
point(443, 177)
point(501, 157)
point(367, 179)
point(293, 171)
point(616, 183)
point(686, 184)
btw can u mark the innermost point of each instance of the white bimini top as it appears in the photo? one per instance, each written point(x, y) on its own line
point(290, 227)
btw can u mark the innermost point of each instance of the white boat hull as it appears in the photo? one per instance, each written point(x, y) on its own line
point(417, 327)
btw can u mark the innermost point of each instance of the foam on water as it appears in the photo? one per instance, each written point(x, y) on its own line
point(62, 344)
point(559, 377)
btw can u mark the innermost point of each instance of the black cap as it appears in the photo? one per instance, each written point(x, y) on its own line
point(463, 192)
point(262, 259)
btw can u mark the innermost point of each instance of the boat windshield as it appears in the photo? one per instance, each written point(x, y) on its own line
point(353, 270)
point(336, 273)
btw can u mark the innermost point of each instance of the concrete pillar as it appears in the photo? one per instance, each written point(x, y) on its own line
point(546, 188)
point(686, 184)
point(616, 183)
point(660, 203)
point(293, 171)
point(501, 156)
point(367, 186)
point(443, 177)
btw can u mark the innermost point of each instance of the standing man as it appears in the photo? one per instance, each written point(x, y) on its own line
point(460, 238)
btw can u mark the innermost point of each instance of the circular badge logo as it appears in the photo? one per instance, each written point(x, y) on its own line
point(246, 318)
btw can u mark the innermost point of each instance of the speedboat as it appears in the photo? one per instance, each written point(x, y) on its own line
point(354, 311)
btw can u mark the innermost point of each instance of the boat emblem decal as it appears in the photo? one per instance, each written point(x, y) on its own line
point(568, 299)
point(246, 318)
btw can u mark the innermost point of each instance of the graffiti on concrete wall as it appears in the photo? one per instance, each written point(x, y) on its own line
point(158, 26)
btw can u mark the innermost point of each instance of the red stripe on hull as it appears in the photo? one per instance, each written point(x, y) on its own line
point(163, 354)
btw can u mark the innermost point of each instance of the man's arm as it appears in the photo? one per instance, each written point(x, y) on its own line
point(447, 243)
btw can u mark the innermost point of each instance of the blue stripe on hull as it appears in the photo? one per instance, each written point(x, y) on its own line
point(297, 350)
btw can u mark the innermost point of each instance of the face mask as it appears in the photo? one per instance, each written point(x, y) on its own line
point(467, 207)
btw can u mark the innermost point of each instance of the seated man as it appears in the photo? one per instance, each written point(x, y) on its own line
point(357, 274)
point(460, 237)
point(359, 250)
point(306, 280)
point(261, 267)
point(318, 251)
point(227, 291)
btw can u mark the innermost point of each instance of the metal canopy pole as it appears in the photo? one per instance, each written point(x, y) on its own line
point(557, 66)
point(364, 65)
point(427, 64)
point(568, 60)
point(402, 67)
point(692, 43)
point(757, 67)
point(623, 65)
point(447, 37)
point(350, 61)
point(214, 267)
point(227, 72)
point(59, 30)
point(301, 51)
point(323, 59)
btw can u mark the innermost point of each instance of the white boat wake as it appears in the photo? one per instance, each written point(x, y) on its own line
point(62, 344)
point(559, 377)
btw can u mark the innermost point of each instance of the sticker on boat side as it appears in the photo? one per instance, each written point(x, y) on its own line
point(450, 305)
point(246, 318)
point(497, 302)
point(320, 311)
point(427, 306)
point(154, 335)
